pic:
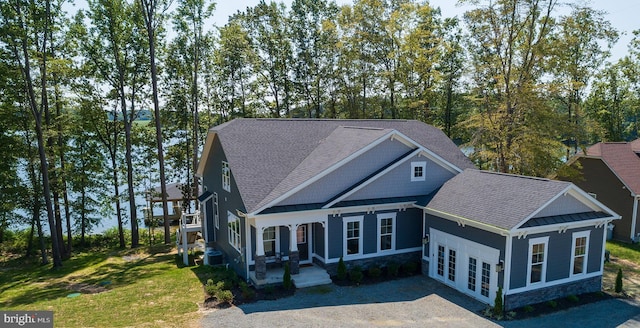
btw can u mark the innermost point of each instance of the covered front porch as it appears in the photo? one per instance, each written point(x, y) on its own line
point(299, 241)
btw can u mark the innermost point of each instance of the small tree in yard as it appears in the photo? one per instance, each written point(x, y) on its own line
point(286, 278)
point(618, 287)
point(497, 304)
point(342, 269)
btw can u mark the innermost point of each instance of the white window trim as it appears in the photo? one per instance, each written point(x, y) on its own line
point(226, 176)
point(423, 165)
point(575, 236)
point(234, 237)
point(346, 221)
point(543, 273)
point(276, 241)
point(391, 216)
point(216, 212)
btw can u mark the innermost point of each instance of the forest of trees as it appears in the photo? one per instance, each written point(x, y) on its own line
point(519, 85)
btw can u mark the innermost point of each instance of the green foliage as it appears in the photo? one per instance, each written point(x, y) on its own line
point(410, 267)
point(374, 272)
point(342, 269)
point(286, 277)
point(528, 308)
point(212, 287)
point(356, 275)
point(248, 293)
point(552, 304)
point(618, 287)
point(224, 296)
point(497, 303)
point(392, 269)
point(573, 298)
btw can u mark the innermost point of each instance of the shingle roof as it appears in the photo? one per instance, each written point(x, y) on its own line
point(269, 157)
point(622, 159)
point(500, 200)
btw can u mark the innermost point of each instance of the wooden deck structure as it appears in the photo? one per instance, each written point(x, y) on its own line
point(188, 234)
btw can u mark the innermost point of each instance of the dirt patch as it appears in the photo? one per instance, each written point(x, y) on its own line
point(86, 288)
point(132, 257)
point(630, 277)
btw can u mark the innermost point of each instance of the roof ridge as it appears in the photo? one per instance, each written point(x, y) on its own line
point(516, 175)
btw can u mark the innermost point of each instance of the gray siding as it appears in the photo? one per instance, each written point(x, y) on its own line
point(407, 232)
point(397, 182)
point(409, 225)
point(349, 174)
point(565, 204)
point(558, 257)
point(227, 201)
point(318, 239)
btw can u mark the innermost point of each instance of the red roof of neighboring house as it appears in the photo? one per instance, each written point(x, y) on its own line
point(622, 159)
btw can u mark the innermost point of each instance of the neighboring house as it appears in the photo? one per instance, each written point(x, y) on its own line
point(373, 191)
point(610, 172)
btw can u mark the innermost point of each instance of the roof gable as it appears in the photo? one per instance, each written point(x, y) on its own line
point(263, 154)
point(507, 202)
point(622, 160)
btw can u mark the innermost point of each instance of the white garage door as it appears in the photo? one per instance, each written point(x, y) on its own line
point(464, 265)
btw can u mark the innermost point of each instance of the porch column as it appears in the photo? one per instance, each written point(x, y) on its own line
point(260, 260)
point(294, 255)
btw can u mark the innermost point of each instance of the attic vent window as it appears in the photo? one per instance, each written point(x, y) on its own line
point(418, 171)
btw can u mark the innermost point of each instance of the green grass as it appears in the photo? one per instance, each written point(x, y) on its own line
point(144, 287)
point(629, 252)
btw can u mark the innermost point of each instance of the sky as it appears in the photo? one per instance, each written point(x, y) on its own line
point(621, 13)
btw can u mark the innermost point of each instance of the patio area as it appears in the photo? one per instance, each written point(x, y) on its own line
point(310, 275)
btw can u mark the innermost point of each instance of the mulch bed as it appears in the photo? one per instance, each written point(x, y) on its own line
point(267, 293)
point(560, 304)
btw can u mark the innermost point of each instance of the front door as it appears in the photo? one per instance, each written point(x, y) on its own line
point(302, 236)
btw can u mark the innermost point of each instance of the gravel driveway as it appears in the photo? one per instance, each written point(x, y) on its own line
point(410, 302)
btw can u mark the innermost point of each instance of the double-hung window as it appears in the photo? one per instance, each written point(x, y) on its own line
point(537, 268)
point(579, 251)
point(269, 240)
point(386, 234)
point(353, 236)
point(234, 231)
point(226, 177)
point(216, 214)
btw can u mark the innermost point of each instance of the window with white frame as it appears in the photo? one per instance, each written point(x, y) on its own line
point(418, 171)
point(234, 231)
point(226, 176)
point(352, 236)
point(269, 240)
point(386, 235)
point(216, 214)
point(537, 260)
point(579, 251)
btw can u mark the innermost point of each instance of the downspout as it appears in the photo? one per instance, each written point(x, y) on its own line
point(634, 217)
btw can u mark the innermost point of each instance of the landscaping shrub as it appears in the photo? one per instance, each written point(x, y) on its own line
point(355, 275)
point(225, 296)
point(375, 272)
point(392, 269)
point(552, 304)
point(212, 288)
point(286, 277)
point(528, 308)
point(497, 304)
point(618, 287)
point(410, 267)
point(342, 270)
point(247, 292)
point(573, 298)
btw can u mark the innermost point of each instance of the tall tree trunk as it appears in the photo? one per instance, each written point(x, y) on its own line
point(37, 114)
point(149, 11)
